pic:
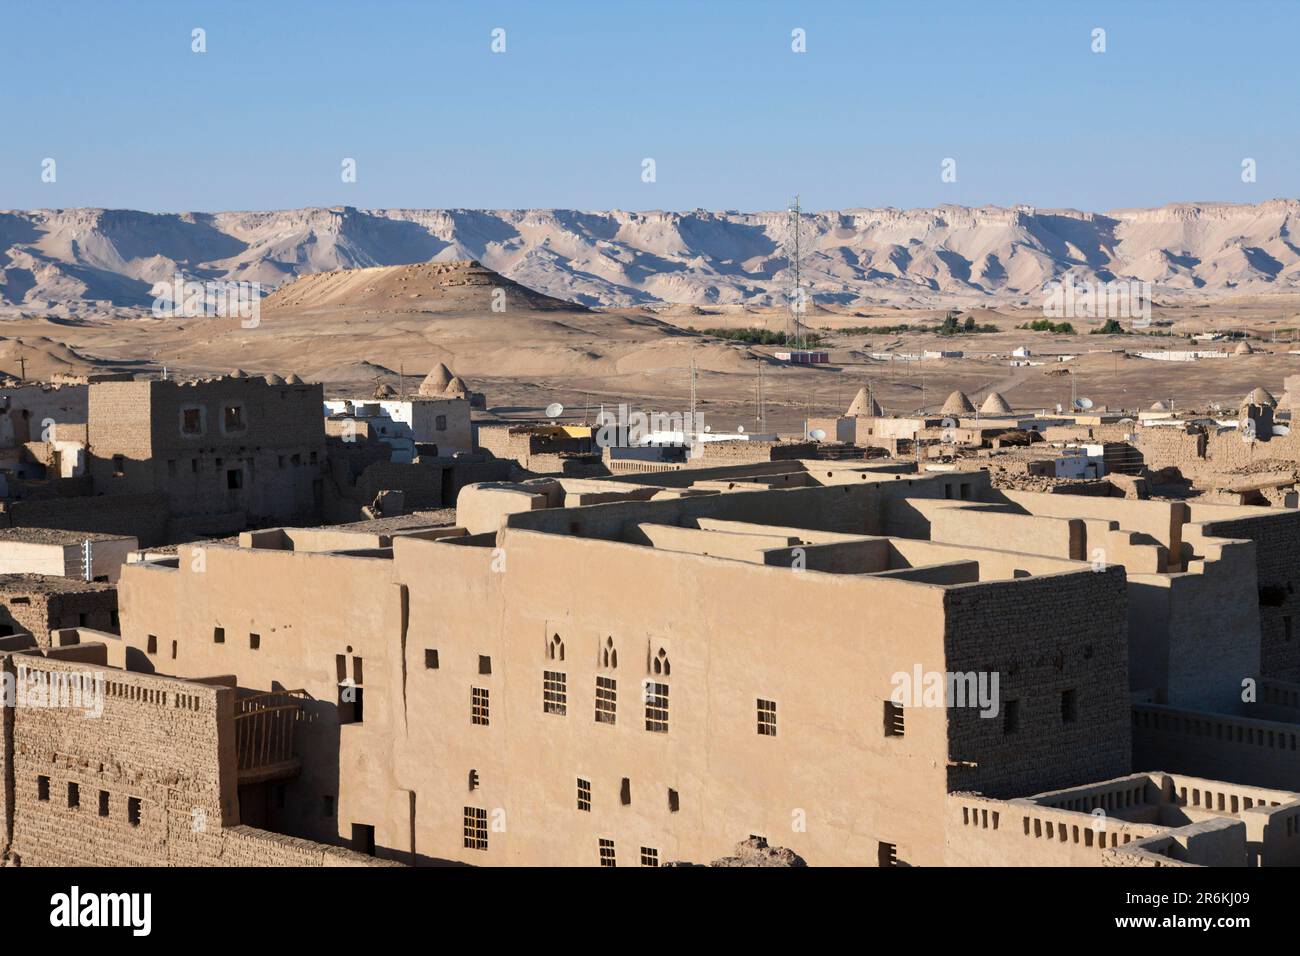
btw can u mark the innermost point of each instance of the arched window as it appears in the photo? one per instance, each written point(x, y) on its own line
point(555, 650)
point(660, 665)
point(609, 656)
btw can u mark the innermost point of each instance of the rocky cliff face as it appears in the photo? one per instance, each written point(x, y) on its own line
point(81, 260)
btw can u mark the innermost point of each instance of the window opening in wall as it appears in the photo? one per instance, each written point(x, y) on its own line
point(656, 707)
point(766, 717)
point(476, 832)
point(606, 700)
point(555, 693)
point(607, 853)
point(479, 711)
point(894, 723)
point(584, 795)
point(1069, 706)
point(431, 658)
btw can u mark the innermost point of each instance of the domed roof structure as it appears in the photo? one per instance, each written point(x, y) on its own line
point(293, 379)
point(864, 406)
point(1159, 407)
point(436, 382)
point(274, 379)
point(457, 386)
point(1260, 396)
point(1243, 348)
point(995, 404)
point(958, 403)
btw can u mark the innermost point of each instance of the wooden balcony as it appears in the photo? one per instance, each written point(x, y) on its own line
point(264, 729)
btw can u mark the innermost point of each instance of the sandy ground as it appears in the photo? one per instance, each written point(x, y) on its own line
point(535, 353)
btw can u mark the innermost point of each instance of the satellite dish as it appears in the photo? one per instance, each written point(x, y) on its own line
point(554, 410)
point(1083, 404)
point(1281, 429)
point(708, 428)
point(740, 429)
point(817, 434)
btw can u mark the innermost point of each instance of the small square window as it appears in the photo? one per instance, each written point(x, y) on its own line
point(218, 635)
point(674, 802)
point(431, 658)
point(254, 641)
point(484, 664)
point(119, 466)
point(649, 856)
point(234, 479)
point(233, 416)
point(103, 803)
point(133, 811)
point(886, 854)
point(151, 644)
point(42, 788)
point(584, 795)
point(607, 853)
point(74, 795)
point(440, 423)
point(192, 421)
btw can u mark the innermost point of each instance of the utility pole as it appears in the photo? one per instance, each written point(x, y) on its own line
point(22, 368)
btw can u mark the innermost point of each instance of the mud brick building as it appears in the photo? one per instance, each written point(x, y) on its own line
point(106, 767)
point(223, 453)
point(37, 604)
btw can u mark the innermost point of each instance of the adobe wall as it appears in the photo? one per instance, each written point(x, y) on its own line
point(40, 611)
point(320, 620)
point(278, 453)
point(1276, 534)
point(168, 744)
point(143, 517)
point(727, 629)
point(985, 832)
point(1047, 637)
point(1243, 750)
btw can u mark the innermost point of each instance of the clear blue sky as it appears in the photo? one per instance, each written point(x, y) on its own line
point(585, 90)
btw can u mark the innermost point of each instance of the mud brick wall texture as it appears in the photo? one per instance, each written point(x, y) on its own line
point(1277, 557)
point(149, 782)
point(146, 775)
point(1059, 644)
point(39, 613)
point(250, 447)
point(141, 516)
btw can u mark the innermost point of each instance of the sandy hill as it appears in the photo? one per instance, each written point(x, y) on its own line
point(77, 261)
point(459, 286)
